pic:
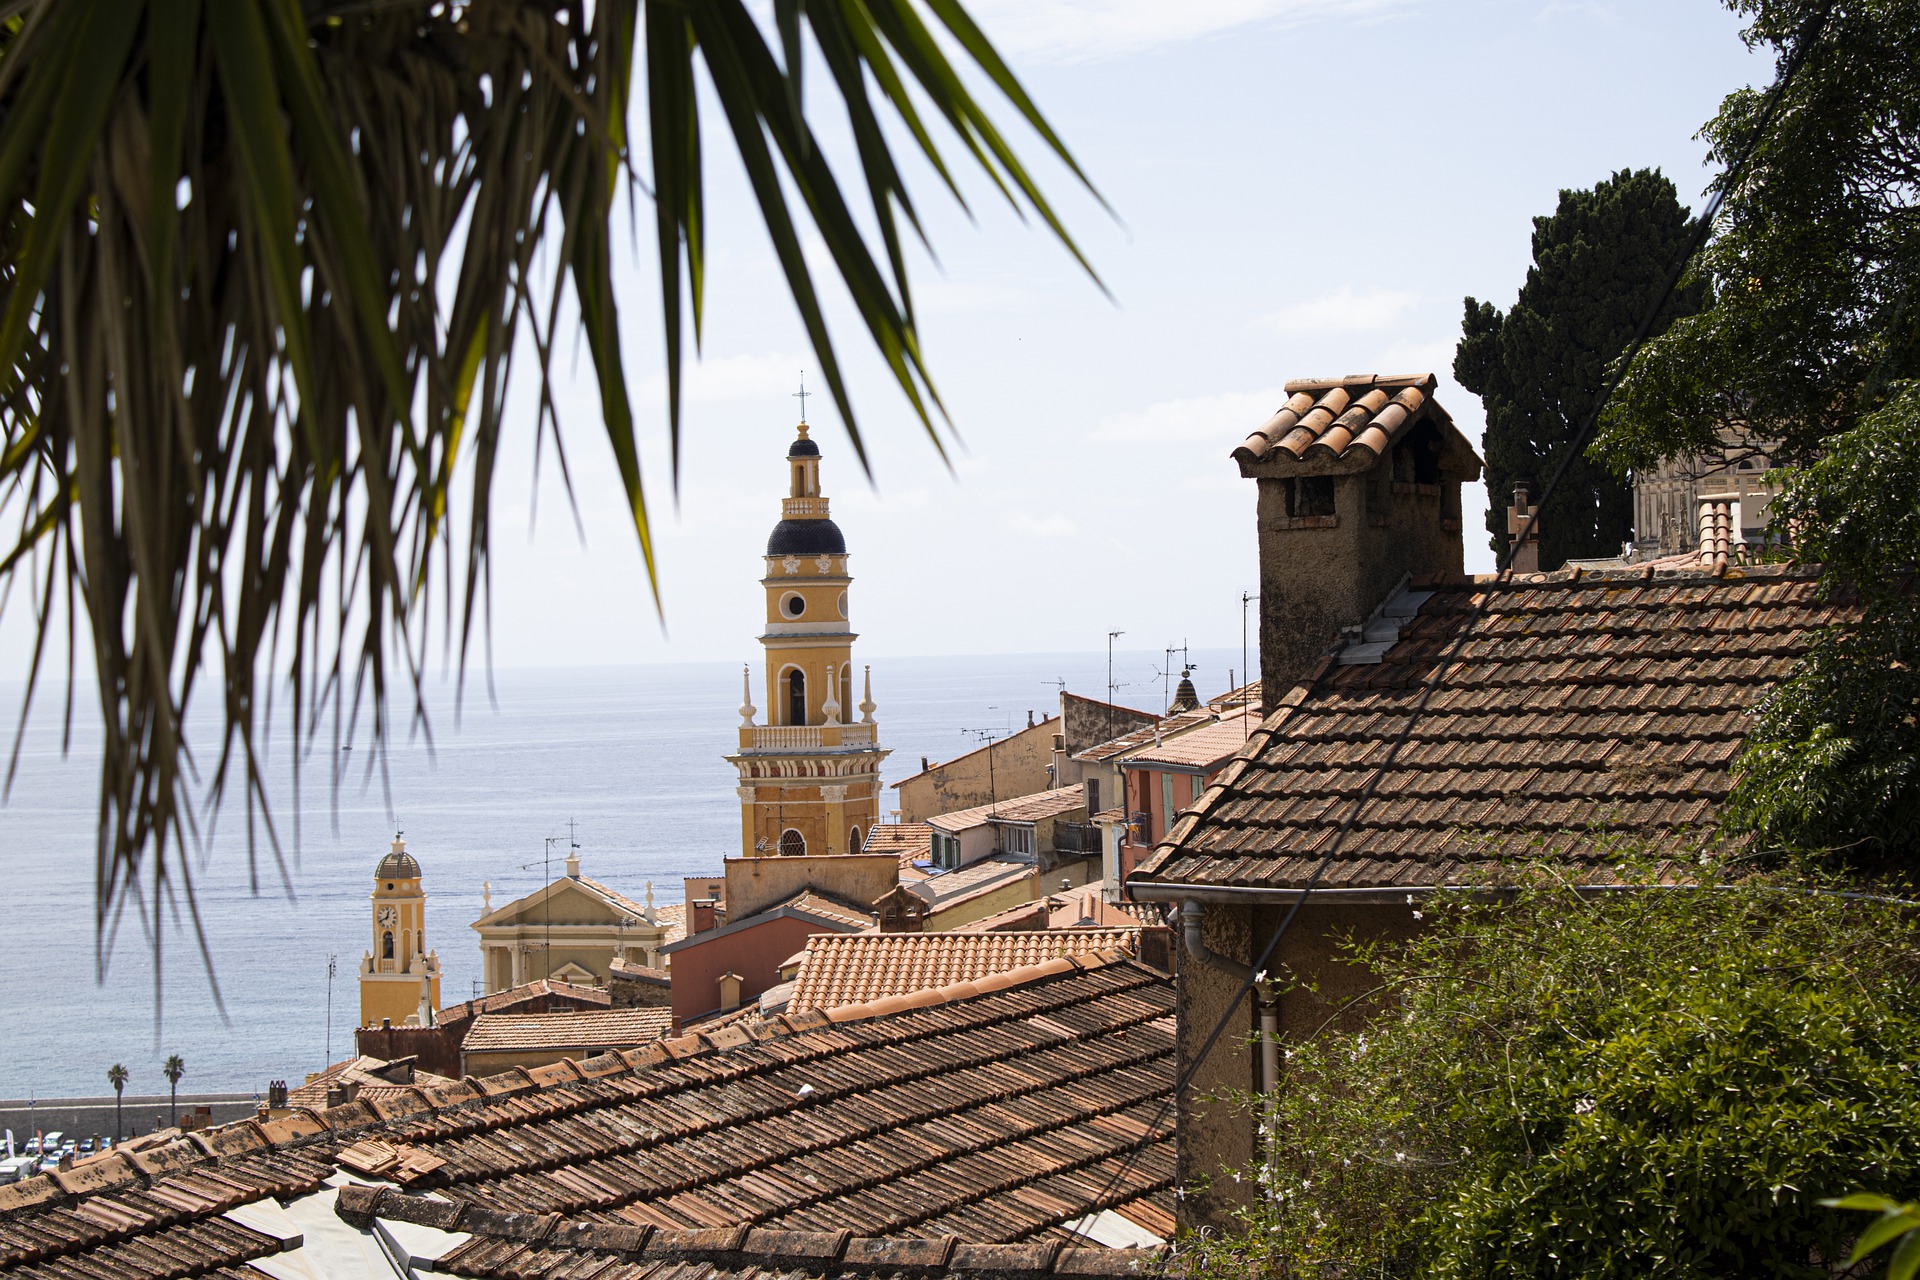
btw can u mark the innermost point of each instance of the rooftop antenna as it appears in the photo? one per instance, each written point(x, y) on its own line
point(1166, 673)
point(546, 902)
point(988, 737)
point(801, 395)
point(1111, 637)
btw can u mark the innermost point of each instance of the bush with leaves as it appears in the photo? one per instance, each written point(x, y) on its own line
point(1832, 762)
point(1652, 1082)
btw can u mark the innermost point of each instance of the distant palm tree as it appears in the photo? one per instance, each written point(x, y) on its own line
point(173, 1069)
point(117, 1077)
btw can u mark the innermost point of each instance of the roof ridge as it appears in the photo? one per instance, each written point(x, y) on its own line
point(766, 1248)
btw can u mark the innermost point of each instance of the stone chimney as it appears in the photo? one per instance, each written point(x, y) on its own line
point(1526, 552)
point(1359, 486)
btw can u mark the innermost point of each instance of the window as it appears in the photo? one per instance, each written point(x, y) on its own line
point(853, 840)
point(1016, 839)
point(792, 844)
point(796, 699)
point(946, 850)
point(386, 945)
point(1166, 802)
point(1309, 496)
point(793, 605)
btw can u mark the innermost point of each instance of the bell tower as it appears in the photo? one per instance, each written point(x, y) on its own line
point(809, 776)
point(399, 977)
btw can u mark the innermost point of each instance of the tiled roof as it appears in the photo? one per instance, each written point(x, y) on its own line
point(1161, 730)
point(600, 1029)
point(523, 1247)
point(945, 888)
point(819, 904)
point(907, 840)
point(1207, 747)
point(522, 994)
point(1352, 419)
point(1029, 808)
point(994, 1111)
point(1579, 705)
point(1062, 911)
point(1245, 695)
point(853, 968)
point(368, 1075)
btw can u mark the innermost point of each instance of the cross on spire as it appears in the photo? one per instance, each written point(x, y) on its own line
point(801, 395)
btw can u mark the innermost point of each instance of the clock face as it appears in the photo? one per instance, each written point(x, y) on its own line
point(387, 916)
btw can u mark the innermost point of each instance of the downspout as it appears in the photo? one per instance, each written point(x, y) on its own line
point(1192, 914)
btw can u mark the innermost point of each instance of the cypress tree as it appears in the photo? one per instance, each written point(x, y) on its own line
point(1599, 262)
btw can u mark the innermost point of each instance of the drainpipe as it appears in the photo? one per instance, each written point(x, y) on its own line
point(1192, 914)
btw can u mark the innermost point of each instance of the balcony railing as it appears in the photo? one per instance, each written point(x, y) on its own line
point(1076, 837)
point(807, 737)
point(803, 506)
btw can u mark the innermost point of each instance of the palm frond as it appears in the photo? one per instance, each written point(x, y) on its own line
point(264, 268)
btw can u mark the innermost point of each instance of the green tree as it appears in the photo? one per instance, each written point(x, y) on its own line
point(1600, 261)
point(266, 267)
point(1663, 1082)
point(1812, 267)
point(117, 1077)
point(173, 1068)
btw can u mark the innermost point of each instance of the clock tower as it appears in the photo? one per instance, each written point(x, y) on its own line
point(399, 977)
point(809, 776)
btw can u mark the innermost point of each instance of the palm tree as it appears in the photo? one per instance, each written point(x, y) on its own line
point(173, 1069)
point(264, 269)
point(117, 1077)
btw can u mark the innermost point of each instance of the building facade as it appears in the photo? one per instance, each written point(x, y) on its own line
point(810, 776)
point(1666, 499)
point(399, 977)
point(571, 930)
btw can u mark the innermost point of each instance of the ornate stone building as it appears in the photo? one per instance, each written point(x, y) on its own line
point(809, 776)
point(1666, 500)
point(399, 977)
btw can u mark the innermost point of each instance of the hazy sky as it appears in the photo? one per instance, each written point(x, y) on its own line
point(1303, 188)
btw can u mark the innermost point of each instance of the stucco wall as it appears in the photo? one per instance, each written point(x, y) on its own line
point(1019, 768)
point(1316, 580)
point(1217, 1134)
point(754, 953)
point(753, 884)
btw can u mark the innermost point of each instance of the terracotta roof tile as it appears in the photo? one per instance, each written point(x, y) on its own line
point(853, 968)
point(909, 840)
point(1578, 704)
point(1207, 747)
point(1157, 732)
point(990, 1111)
point(1353, 419)
point(1029, 808)
point(601, 1028)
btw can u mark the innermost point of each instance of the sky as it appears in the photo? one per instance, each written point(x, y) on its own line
point(1298, 188)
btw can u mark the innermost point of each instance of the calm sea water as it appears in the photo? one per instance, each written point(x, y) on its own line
point(630, 755)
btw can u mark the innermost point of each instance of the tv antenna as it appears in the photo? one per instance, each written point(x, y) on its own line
point(1111, 637)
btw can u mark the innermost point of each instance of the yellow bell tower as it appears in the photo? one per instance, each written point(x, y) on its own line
point(810, 776)
point(399, 977)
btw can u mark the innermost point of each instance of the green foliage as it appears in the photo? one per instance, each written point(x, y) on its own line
point(266, 267)
point(1813, 266)
point(1831, 763)
point(117, 1077)
point(1657, 1082)
point(1898, 1224)
point(1599, 263)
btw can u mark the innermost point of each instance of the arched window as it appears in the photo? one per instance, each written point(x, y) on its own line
point(386, 945)
point(796, 699)
point(792, 843)
point(846, 694)
point(853, 841)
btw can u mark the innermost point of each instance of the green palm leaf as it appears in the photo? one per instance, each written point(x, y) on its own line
point(264, 269)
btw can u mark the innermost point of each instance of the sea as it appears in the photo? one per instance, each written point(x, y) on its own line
point(626, 762)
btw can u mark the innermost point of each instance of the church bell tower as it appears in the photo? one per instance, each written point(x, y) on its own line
point(399, 977)
point(809, 776)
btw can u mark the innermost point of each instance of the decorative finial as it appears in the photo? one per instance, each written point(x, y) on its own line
point(801, 395)
point(831, 707)
point(866, 698)
point(746, 696)
point(486, 895)
point(649, 895)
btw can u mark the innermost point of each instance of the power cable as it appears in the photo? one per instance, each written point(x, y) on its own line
point(1809, 34)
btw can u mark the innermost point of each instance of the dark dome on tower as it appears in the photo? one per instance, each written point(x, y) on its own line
point(803, 448)
point(806, 538)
